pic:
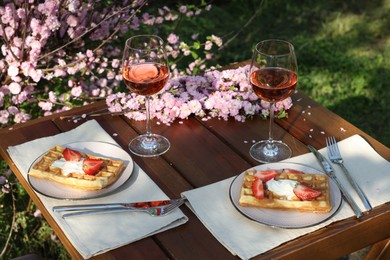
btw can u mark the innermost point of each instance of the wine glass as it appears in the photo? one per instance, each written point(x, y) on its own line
point(273, 76)
point(145, 72)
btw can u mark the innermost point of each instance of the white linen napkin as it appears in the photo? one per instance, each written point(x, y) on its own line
point(93, 235)
point(246, 238)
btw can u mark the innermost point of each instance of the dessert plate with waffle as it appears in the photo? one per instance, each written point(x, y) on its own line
point(286, 195)
point(80, 170)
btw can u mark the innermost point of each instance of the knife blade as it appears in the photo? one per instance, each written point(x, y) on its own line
point(330, 172)
point(108, 206)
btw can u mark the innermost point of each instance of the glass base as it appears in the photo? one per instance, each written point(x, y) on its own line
point(149, 145)
point(265, 152)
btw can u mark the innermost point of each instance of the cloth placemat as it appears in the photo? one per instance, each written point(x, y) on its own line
point(93, 235)
point(246, 238)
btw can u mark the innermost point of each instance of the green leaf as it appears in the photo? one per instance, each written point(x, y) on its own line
point(194, 55)
point(196, 45)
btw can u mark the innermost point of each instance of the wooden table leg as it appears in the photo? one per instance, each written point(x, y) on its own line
point(379, 251)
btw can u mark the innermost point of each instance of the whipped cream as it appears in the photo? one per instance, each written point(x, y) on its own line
point(69, 166)
point(282, 187)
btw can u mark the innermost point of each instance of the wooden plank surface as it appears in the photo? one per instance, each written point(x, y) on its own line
point(204, 152)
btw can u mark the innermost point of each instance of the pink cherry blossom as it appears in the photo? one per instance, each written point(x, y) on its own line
point(72, 21)
point(76, 91)
point(21, 117)
point(217, 40)
point(73, 73)
point(37, 213)
point(13, 70)
point(183, 9)
point(208, 45)
point(173, 38)
point(14, 88)
point(4, 115)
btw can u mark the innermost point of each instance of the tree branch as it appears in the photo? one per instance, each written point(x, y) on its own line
point(243, 27)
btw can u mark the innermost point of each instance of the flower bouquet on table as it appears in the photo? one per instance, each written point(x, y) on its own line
point(216, 94)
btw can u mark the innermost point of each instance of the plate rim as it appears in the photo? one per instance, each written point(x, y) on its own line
point(92, 196)
point(236, 206)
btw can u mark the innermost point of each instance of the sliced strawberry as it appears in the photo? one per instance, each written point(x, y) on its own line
point(71, 155)
point(258, 189)
point(92, 166)
point(156, 203)
point(306, 193)
point(292, 171)
point(141, 205)
point(266, 175)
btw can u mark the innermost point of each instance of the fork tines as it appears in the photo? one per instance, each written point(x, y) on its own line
point(332, 146)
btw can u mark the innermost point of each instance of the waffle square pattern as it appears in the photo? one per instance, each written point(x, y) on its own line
point(277, 199)
point(107, 174)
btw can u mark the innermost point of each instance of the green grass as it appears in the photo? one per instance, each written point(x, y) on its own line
point(343, 51)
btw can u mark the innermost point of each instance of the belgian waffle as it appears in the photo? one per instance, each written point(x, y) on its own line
point(108, 174)
point(320, 182)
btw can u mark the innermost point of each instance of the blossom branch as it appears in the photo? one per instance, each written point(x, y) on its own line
point(12, 223)
point(122, 10)
point(6, 40)
point(242, 27)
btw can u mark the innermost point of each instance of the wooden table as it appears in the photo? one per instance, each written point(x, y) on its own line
point(204, 152)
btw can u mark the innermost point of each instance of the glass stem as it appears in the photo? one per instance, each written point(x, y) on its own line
point(270, 141)
point(148, 127)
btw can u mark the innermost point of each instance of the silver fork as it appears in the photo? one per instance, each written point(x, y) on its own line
point(335, 156)
point(153, 211)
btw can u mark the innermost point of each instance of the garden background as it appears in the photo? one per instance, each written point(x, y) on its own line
point(343, 52)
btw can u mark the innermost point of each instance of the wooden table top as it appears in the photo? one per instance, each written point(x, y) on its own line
point(204, 152)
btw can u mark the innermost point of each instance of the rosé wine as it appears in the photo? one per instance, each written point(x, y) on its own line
point(145, 79)
point(273, 84)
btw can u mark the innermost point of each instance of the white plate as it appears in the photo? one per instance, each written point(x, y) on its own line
point(285, 218)
point(59, 191)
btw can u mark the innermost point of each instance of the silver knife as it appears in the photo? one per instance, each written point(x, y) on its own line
point(109, 206)
point(330, 172)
